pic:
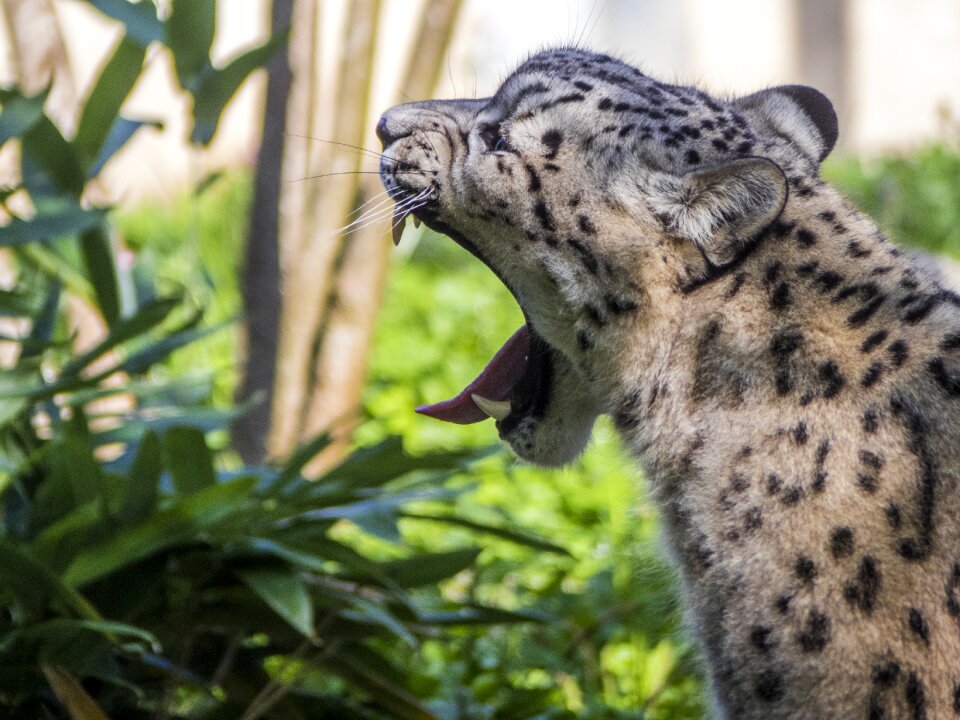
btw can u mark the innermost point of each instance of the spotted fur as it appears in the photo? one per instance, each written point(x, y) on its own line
point(788, 378)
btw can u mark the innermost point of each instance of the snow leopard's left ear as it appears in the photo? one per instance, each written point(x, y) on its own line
point(801, 114)
point(720, 209)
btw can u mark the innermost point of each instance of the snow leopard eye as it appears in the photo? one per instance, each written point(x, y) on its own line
point(494, 141)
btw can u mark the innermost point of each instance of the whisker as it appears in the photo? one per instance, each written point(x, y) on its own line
point(354, 172)
point(370, 200)
point(377, 214)
point(372, 153)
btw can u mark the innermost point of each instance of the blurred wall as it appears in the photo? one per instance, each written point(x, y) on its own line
point(893, 66)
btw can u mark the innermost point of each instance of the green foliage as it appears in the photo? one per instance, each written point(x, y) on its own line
point(143, 574)
point(915, 198)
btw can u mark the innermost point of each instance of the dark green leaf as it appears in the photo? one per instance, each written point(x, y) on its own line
point(19, 114)
point(33, 583)
point(285, 593)
point(53, 220)
point(102, 108)
point(188, 459)
point(44, 322)
point(190, 30)
point(142, 483)
point(297, 460)
point(98, 262)
point(505, 533)
point(187, 333)
point(121, 132)
point(431, 568)
point(387, 694)
point(216, 87)
point(178, 524)
point(50, 163)
point(482, 615)
point(140, 18)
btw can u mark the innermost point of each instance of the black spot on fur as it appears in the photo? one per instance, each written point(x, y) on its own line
point(873, 341)
point(918, 548)
point(736, 284)
point(782, 346)
point(805, 569)
point(780, 298)
point(828, 280)
point(916, 697)
point(832, 379)
point(692, 157)
point(816, 632)
point(534, 184)
point(760, 638)
point(782, 604)
point(950, 341)
point(552, 138)
point(586, 225)
point(871, 459)
point(956, 699)
point(806, 238)
point(918, 625)
point(774, 484)
point(586, 256)
point(862, 591)
point(947, 382)
point(921, 310)
point(544, 216)
point(619, 305)
point(871, 420)
point(584, 341)
point(770, 686)
point(899, 352)
point(792, 495)
point(872, 375)
point(860, 317)
point(894, 516)
point(867, 483)
point(739, 482)
point(841, 542)
point(800, 435)
point(886, 675)
point(752, 520)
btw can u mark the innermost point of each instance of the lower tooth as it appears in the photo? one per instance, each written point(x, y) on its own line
point(416, 221)
point(497, 409)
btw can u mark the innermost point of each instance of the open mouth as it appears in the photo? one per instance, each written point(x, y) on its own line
point(515, 382)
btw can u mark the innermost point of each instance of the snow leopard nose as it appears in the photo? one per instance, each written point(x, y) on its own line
point(384, 132)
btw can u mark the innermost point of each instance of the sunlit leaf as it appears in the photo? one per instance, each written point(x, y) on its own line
point(285, 593)
point(102, 108)
point(139, 18)
point(515, 536)
point(52, 221)
point(216, 87)
point(190, 29)
point(71, 694)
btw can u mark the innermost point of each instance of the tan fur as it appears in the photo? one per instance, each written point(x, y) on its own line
point(785, 375)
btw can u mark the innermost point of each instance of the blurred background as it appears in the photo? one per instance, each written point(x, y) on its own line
point(217, 501)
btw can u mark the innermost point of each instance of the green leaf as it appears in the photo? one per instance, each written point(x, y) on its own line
point(285, 593)
point(31, 582)
point(59, 541)
point(47, 156)
point(387, 694)
point(185, 334)
point(474, 614)
point(102, 107)
point(190, 29)
point(140, 18)
point(44, 323)
point(120, 133)
point(19, 114)
point(178, 524)
point(502, 532)
point(431, 568)
point(98, 262)
point(188, 459)
point(142, 483)
point(298, 460)
point(215, 88)
point(53, 220)
point(147, 317)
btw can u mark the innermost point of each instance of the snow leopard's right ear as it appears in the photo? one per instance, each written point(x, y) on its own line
point(801, 114)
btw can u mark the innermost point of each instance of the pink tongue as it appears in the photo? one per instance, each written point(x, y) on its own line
point(494, 383)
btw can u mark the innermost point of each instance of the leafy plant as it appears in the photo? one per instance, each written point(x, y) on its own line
point(142, 573)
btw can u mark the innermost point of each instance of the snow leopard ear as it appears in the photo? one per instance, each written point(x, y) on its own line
point(721, 209)
point(804, 115)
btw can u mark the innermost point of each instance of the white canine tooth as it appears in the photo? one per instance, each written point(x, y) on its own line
point(399, 223)
point(497, 409)
point(416, 221)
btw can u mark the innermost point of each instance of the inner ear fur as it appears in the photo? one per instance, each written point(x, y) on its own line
point(722, 209)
